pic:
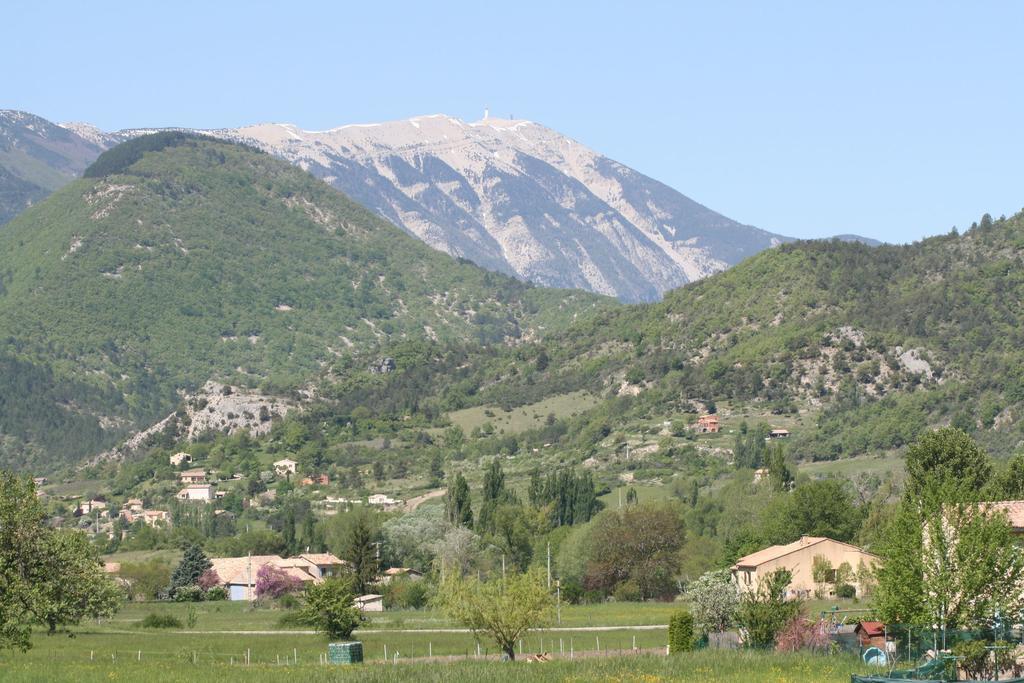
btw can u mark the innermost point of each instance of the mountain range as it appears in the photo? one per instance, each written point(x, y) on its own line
point(510, 195)
point(37, 157)
point(179, 259)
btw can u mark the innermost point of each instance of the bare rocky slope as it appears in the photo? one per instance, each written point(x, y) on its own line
point(520, 198)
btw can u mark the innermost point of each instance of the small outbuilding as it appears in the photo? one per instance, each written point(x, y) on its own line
point(871, 634)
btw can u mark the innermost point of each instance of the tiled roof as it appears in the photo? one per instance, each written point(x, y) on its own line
point(322, 558)
point(776, 551)
point(1014, 510)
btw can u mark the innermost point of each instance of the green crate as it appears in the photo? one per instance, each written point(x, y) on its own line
point(345, 653)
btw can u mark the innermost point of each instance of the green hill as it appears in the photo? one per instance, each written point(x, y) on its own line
point(180, 259)
point(882, 340)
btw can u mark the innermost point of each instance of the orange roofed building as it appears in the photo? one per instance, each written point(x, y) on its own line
point(707, 424)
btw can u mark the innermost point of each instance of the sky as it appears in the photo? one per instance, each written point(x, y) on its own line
point(890, 120)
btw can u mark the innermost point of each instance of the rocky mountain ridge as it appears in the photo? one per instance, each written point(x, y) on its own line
point(520, 198)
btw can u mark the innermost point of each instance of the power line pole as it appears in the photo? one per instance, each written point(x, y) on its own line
point(549, 565)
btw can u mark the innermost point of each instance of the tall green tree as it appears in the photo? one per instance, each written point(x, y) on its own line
point(360, 547)
point(82, 589)
point(457, 502)
point(436, 470)
point(46, 576)
point(193, 563)
point(948, 557)
point(330, 607)
point(947, 461)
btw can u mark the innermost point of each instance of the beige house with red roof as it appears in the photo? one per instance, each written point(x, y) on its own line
point(798, 558)
point(238, 574)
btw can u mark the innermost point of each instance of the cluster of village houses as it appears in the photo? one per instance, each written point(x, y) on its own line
point(197, 487)
point(238, 575)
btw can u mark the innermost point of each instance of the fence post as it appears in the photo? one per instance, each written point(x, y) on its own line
point(91, 653)
point(561, 647)
point(634, 641)
point(140, 655)
point(572, 653)
point(597, 639)
point(430, 649)
point(385, 652)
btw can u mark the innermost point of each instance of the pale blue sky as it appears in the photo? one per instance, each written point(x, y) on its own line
point(894, 120)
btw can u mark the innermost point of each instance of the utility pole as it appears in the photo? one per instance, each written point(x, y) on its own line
point(549, 565)
point(558, 599)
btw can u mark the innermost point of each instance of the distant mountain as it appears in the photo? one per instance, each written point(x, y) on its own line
point(510, 195)
point(37, 157)
point(519, 198)
point(180, 259)
point(858, 238)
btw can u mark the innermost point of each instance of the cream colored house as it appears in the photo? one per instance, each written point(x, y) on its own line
point(196, 492)
point(370, 602)
point(798, 558)
point(179, 458)
point(194, 476)
point(286, 466)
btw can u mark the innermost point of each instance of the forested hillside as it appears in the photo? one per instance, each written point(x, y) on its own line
point(180, 259)
point(884, 340)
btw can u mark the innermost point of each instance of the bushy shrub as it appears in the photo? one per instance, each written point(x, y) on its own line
point(217, 593)
point(845, 590)
point(288, 601)
point(801, 634)
point(680, 632)
point(627, 591)
point(405, 594)
point(189, 594)
point(154, 620)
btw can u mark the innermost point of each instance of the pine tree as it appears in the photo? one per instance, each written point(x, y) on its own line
point(436, 470)
point(193, 563)
point(288, 529)
point(457, 502)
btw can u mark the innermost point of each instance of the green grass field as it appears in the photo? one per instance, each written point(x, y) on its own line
point(704, 667)
point(238, 616)
point(848, 467)
point(525, 417)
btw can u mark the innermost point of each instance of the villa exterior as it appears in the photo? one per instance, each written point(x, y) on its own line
point(798, 558)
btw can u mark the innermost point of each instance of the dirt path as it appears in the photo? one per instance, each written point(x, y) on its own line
point(414, 503)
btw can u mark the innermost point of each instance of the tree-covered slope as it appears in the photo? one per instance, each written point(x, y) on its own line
point(890, 338)
point(187, 259)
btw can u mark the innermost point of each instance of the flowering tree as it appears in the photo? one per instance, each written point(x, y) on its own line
point(800, 633)
point(714, 599)
point(209, 579)
point(273, 582)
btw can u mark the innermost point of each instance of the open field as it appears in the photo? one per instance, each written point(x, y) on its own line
point(525, 417)
point(238, 616)
point(645, 493)
point(709, 666)
point(848, 467)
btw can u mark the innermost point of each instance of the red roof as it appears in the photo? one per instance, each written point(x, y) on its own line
point(871, 628)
